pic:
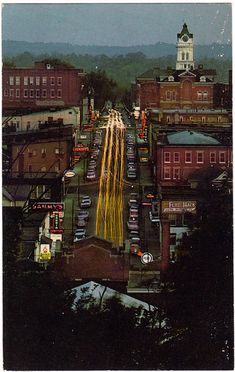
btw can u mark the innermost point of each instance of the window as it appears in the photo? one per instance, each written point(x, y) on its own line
point(57, 151)
point(176, 173)
point(222, 158)
point(28, 125)
point(44, 93)
point(17, 93)
point(52, 81)
point(37, 93)
point(25, 80)
point(17, 80)
point(205, 96)
point(44, 80)
point(219, 119)
point(31, 93)
point(176, 157)
point(168, 119)
point(11, 80)
point(200, 157)
point(183, 56)
point(188, 156)
point(185, 66)
point(43, 191)
point(175, 219)
point(31, 80)
point(203, 119)
point(59, 81)
point(187, 56)
point(37, 80)
point(167, 173)
point(5, 92)
point(171, 78)
point(17, 124)
point(43, 169)
point(173, 96)
point(167, 157)
point(30, 168)
point(168, 95)
point(59, 93)
point(199, 96)
point(43, 152)
point(25, 93)
point(11, 92)
point(203, 79)
point(52, 93)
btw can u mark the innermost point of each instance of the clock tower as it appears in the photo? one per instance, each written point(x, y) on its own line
point(184, 49)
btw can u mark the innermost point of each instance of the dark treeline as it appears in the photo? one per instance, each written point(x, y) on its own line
point(121, 68)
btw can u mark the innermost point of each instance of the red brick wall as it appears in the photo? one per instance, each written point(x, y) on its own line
point(149, 95)
point(32, 155)
point(70, 88)
point(185, 168)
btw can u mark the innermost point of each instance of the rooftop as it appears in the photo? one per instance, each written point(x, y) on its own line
point(190, 137)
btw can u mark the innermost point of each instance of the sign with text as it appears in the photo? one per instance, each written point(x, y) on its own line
point(57, 207)
point(179, 206)
point(80, 149)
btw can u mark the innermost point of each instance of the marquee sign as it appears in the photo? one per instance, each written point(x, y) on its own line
point(81, 149)
point(179, 206)
point(57, 207)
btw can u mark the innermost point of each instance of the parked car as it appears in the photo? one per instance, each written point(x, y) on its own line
point(83, 214)
point(79, 234)
point(132, 225)
point(81, 222)
point(135, 248)
point(86, 202)
point(154, 217)
point(91, 175)
point(135, 239)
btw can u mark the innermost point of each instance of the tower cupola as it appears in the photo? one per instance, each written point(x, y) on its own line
point(184, 47)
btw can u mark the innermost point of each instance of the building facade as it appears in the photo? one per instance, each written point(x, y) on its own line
point(45, 85)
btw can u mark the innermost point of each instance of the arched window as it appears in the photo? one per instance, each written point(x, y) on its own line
point(170, 78)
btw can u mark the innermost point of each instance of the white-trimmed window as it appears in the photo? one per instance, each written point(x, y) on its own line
point(212, 157)
point(17, 80)
point(52, 79)
point(44, 80)
point(176, 173)
point(5, 92)
point(17, 93)
point(11, 80)
point(173, 95)
point(200, 157)
point(37, 80)
point(199, 96)
point(222, 157)
point(44, 93)
point(59, 80)
point(183, 56)
point(176, 157)
point(11, 92)
point(167, 157)
point(43, 152)
point(31, 93)
point(52, 93)
point(166, 173)
point(205, 96)
point(59, 93)
point(188, 156)
point(37, 93)
point(25, 80)
point(187, 56)
point(25, 93)
point(168, 95)
point(31, 80)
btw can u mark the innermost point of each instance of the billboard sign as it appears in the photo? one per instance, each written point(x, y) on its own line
point(55, 207)
point(179, 206)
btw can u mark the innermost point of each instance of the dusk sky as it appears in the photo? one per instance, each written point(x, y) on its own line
point(116, 24)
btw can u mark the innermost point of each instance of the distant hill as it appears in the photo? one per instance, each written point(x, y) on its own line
point(12, 48)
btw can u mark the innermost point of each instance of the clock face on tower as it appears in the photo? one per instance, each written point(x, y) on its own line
point(185, 38)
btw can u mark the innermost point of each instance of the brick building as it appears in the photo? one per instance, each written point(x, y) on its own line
point(178, 155)
point(185, 87)
point(46, 85)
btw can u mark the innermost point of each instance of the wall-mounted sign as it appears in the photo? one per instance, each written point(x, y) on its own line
point(45, 252)
point(179, 206)
point(57, 207)
point(80, 149)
